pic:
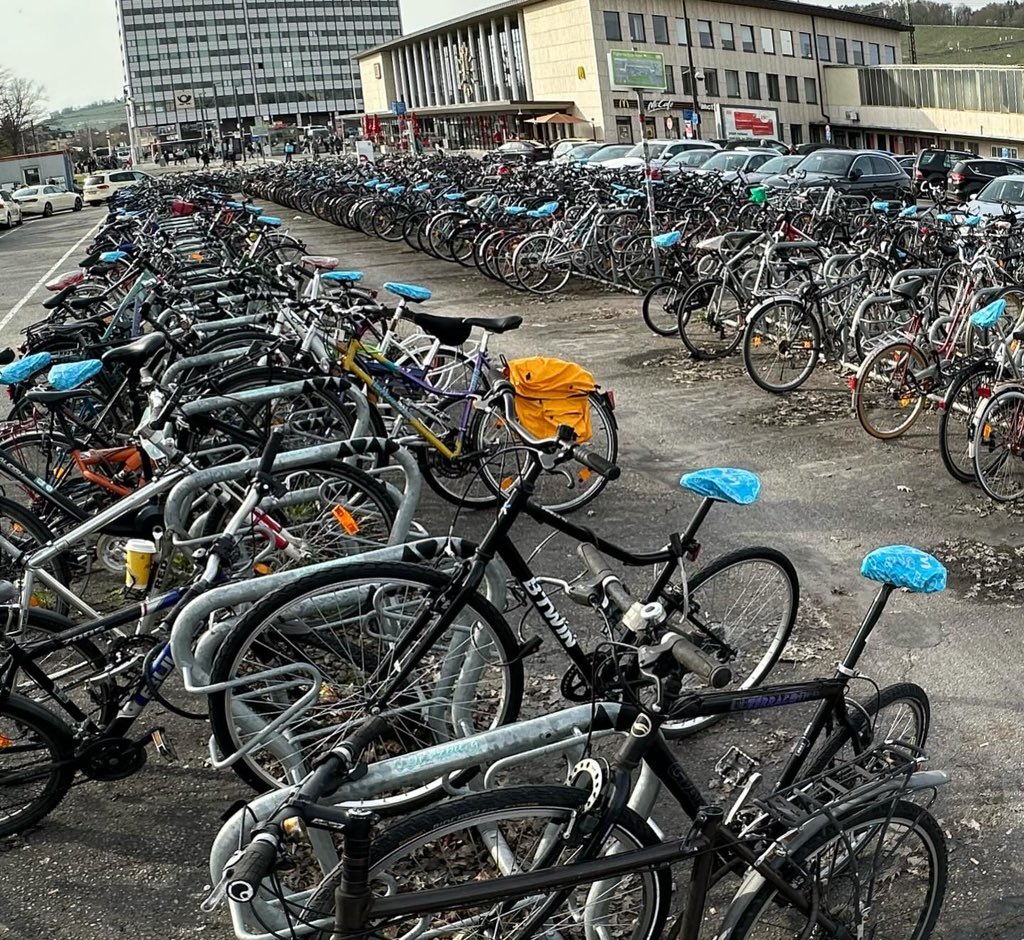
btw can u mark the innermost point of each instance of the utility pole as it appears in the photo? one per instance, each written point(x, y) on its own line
point(913, 37)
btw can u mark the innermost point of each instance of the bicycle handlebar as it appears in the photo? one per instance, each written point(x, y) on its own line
point(717, 675)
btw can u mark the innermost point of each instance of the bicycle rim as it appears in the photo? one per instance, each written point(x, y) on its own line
point(888, 398)
point(999, 446)
point(781, 346)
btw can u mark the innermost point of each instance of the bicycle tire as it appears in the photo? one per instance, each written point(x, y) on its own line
point(721, 620)
point(778, 334)
point(698, 327)
point(932, 851)
point(249, 638)
point(22, 720)
point(956, 418)
point(660, 307)
point(550, 807)
point(906, 408)
point(24, 529)
point(997, 454)
point(901, 698)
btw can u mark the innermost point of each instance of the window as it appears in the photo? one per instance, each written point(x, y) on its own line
point(824, 52)
point(792, 88)
point(858, 52)
point(1005, 152)
point(732, 83)
point(660, 29)
point(686, 82)
point(636, 27)
point(786, 41)
point(670, 80)
point(773, 87)
point(890, 55)
point(753, 86)
point(747, 39)
point(707, 40)
point(728, 40)
point(767, 40)
point(682, 32)
point(796, 134)
point(612, 26)
point(841, 51)
point(711, 83)
point(874, 57)
point(806, 51)
point(882, 166)
point(810, 91)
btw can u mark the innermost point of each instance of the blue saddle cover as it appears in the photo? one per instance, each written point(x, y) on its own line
point(271, 220)
point(25, 368)
point(905, 567)
point(112, 257)
point(667, 240)
point(346, 276)
point(728, 484)
point(68, 375)
point(408, 291)
point(880, 205)
point(988, 315)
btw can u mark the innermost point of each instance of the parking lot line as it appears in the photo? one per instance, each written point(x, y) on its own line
point(13, 312)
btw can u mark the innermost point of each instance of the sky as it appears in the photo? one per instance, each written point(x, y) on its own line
point(78, 61)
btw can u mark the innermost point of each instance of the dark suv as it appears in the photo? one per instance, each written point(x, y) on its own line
point(932, 166)
point(969, 177)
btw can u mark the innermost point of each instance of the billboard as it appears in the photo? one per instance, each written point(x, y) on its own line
point(749, 122)
point(643, 70)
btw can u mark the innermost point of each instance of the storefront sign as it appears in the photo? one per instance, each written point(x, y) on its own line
point(749, 122)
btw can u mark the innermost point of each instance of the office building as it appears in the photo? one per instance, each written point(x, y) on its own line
point(195, 68)
point(731, 68)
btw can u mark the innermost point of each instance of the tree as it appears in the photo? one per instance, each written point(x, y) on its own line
point(21, 106)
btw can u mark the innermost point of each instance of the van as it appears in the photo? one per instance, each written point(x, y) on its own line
point(932, 166)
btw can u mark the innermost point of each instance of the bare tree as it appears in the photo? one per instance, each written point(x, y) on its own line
point(21, 107)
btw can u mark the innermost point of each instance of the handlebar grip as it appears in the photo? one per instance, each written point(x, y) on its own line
point(255, 864)
point(594, 560)
point(693, 660)
point(364, 736)
point(270, 452)
point(596, 462)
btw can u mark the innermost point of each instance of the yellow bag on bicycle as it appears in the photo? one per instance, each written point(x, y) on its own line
point(550, 392)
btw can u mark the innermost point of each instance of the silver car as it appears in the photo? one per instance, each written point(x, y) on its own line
point(1001, 195)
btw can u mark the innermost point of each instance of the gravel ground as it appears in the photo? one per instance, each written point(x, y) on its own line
point(128, 859)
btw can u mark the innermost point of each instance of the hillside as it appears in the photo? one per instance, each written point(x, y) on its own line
point(97, 116)
point(967, 45)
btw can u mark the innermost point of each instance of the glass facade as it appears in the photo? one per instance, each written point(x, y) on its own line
point(208, 62)
point(960, 89)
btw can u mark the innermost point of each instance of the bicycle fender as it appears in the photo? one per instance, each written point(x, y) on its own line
point(792, 298)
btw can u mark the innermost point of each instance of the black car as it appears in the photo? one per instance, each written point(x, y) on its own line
point(932, 166)
point(969, 177)
point(867, 173)
point(528, 151)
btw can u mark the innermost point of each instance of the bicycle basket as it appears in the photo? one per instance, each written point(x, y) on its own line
point(550, 392)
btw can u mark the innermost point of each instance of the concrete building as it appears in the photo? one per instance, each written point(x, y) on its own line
point(207, 65)
point(740, 67)
point(971, 107)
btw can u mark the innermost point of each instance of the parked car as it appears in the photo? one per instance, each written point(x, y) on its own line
point(578, 153)
point(10, 211)
point(907, 162)
point(1003, 191)
point(659, 151)
point(773, 166)
point(970, 177)
point(528, 151)
point(45, 200)
point(743, 143)
point(869, 173)
point(804, 149)
point(563, 147)
point(606, 154)
point(99, 187)
point(932, 165)
point(729, 163)
point(688, 161)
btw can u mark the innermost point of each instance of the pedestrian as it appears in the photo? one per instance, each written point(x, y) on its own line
point(195, 154)
point(289, 151)
point(206, 159)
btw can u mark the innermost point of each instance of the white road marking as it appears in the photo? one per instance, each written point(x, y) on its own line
point(13, 312)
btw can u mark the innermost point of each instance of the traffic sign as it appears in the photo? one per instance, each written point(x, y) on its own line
point(692, 116)
point(398, 107)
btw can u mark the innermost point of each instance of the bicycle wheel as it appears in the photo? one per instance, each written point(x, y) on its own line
point(889, 396)
point(455, 844)
point(661, 307)
point(956, 419)
point(567, 487)
point(899, 712)
point(22, 528)
point(741, 611)
point(36, 763)
point(999, 446)
point(781, 345)
point(542, 264)
point(347, 624)
point(882, 875)
point(711, 319)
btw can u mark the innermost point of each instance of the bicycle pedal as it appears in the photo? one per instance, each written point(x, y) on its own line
point(734, 767)
point(163, 745)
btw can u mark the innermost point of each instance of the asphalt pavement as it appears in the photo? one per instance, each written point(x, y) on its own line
point(128, 858)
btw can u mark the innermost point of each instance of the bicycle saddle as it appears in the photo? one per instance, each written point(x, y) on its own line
point(450, 330)
point(112, 257)
point(66, 376)
point(667, 240)
point(910, 288)
point(319, 262)
point(905, 567)
point(57, 299)
point(342, 277)
point(269, 220)
point(726, 484)
point(135, 353)
point(49, 396)
point(407, 291)
point(24, 368)
point(988, 315)
point(495, 324)
point(81, 303)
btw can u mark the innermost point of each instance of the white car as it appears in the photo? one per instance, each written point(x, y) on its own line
point(659, 151)
point(99, 187)
point(10, 211)
point(45, 200)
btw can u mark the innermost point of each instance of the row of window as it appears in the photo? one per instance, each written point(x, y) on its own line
point(772, 89)
point(846, 51)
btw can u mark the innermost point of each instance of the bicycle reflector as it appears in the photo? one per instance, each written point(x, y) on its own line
point(852, 382)
point(345, 519)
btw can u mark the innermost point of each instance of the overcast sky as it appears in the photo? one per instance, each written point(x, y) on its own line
point(70, 46)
